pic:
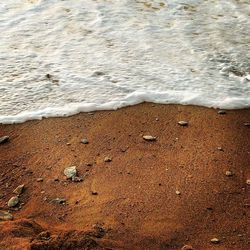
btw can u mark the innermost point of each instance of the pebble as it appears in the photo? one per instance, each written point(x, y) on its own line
point(19, 189)
point(77, 179)
point(70, 172)
point(187, 247)
point(94, 193)
point(39, 179)
point(84, 141)
point(215, 241)
point(248, 182)
point(13, 201)
point(58, 201)
point(4, 215)
point(247, 124)
point(177, 192)
point(229, 173)
point(183, 123)
point(222, 112)
point(107, 159)
point(149, 138)
point(4, 139)
point(45, 235)
point(220, 148)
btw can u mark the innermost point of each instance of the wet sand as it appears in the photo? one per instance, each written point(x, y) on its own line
point(163, 194)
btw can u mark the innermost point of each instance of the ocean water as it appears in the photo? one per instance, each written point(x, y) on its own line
point(61, 57)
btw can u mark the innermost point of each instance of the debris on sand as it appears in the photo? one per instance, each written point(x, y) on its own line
point(58, 201)
point(229, 173)
point(70, 172)
point(77, 179)
point(215, 241)
point(222, 112)
point(45, 235)
point(4, 215)
point(247, 124)
point(187, 247)
point(39, 179)
point(19, 189)
point(107, 159)
point(177, 192)
point(4, 139)
point(248, 182)
point(183, 123)
point(13, 201)
point(149, 138)
point(85, 141)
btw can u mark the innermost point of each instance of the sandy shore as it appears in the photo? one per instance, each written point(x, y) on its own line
point(161, 194)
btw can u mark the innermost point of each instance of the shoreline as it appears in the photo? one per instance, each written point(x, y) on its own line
point(63, 112)
point(161, 194)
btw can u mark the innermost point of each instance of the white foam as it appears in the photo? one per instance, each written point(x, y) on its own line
point(105, 55)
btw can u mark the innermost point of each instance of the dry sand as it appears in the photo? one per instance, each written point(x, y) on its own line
point(160, 194)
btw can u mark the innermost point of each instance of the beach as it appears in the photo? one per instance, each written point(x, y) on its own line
point(185, 187)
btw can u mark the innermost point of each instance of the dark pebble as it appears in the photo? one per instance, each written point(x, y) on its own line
point(4, 139)
point(222, 112)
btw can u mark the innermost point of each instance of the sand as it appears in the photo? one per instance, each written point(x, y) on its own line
point(161, 194)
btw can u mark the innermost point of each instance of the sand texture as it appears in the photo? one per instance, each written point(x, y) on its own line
point(183, 186)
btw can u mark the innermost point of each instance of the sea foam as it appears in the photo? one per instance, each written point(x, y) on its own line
point(59, 58)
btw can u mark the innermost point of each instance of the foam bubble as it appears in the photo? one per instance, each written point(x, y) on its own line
point(59, 58)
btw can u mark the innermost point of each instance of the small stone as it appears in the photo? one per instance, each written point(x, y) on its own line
point(149, 138)
point(68, 143)
point(94, 193)
point(177, 192)
point(107, 159)
point(187, 247)
point(229, 173)
point(58, 201)
point(220, 148)
point(4, 139)
point(13, 201)
point(4, 215)
point(183, 123)
point(77, 179)
point(98, 73)
point(84, 141)
point(48, 76)
point(222, 112)
point(70, 172)
point(247, 124)
point(215, 241)
point(39, 179)
point(45, 235)
point(248, 182)
point(19, 189)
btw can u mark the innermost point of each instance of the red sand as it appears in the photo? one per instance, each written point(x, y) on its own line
point(136, 205)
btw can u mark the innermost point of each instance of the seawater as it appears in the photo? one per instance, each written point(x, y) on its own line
point(61, 57)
